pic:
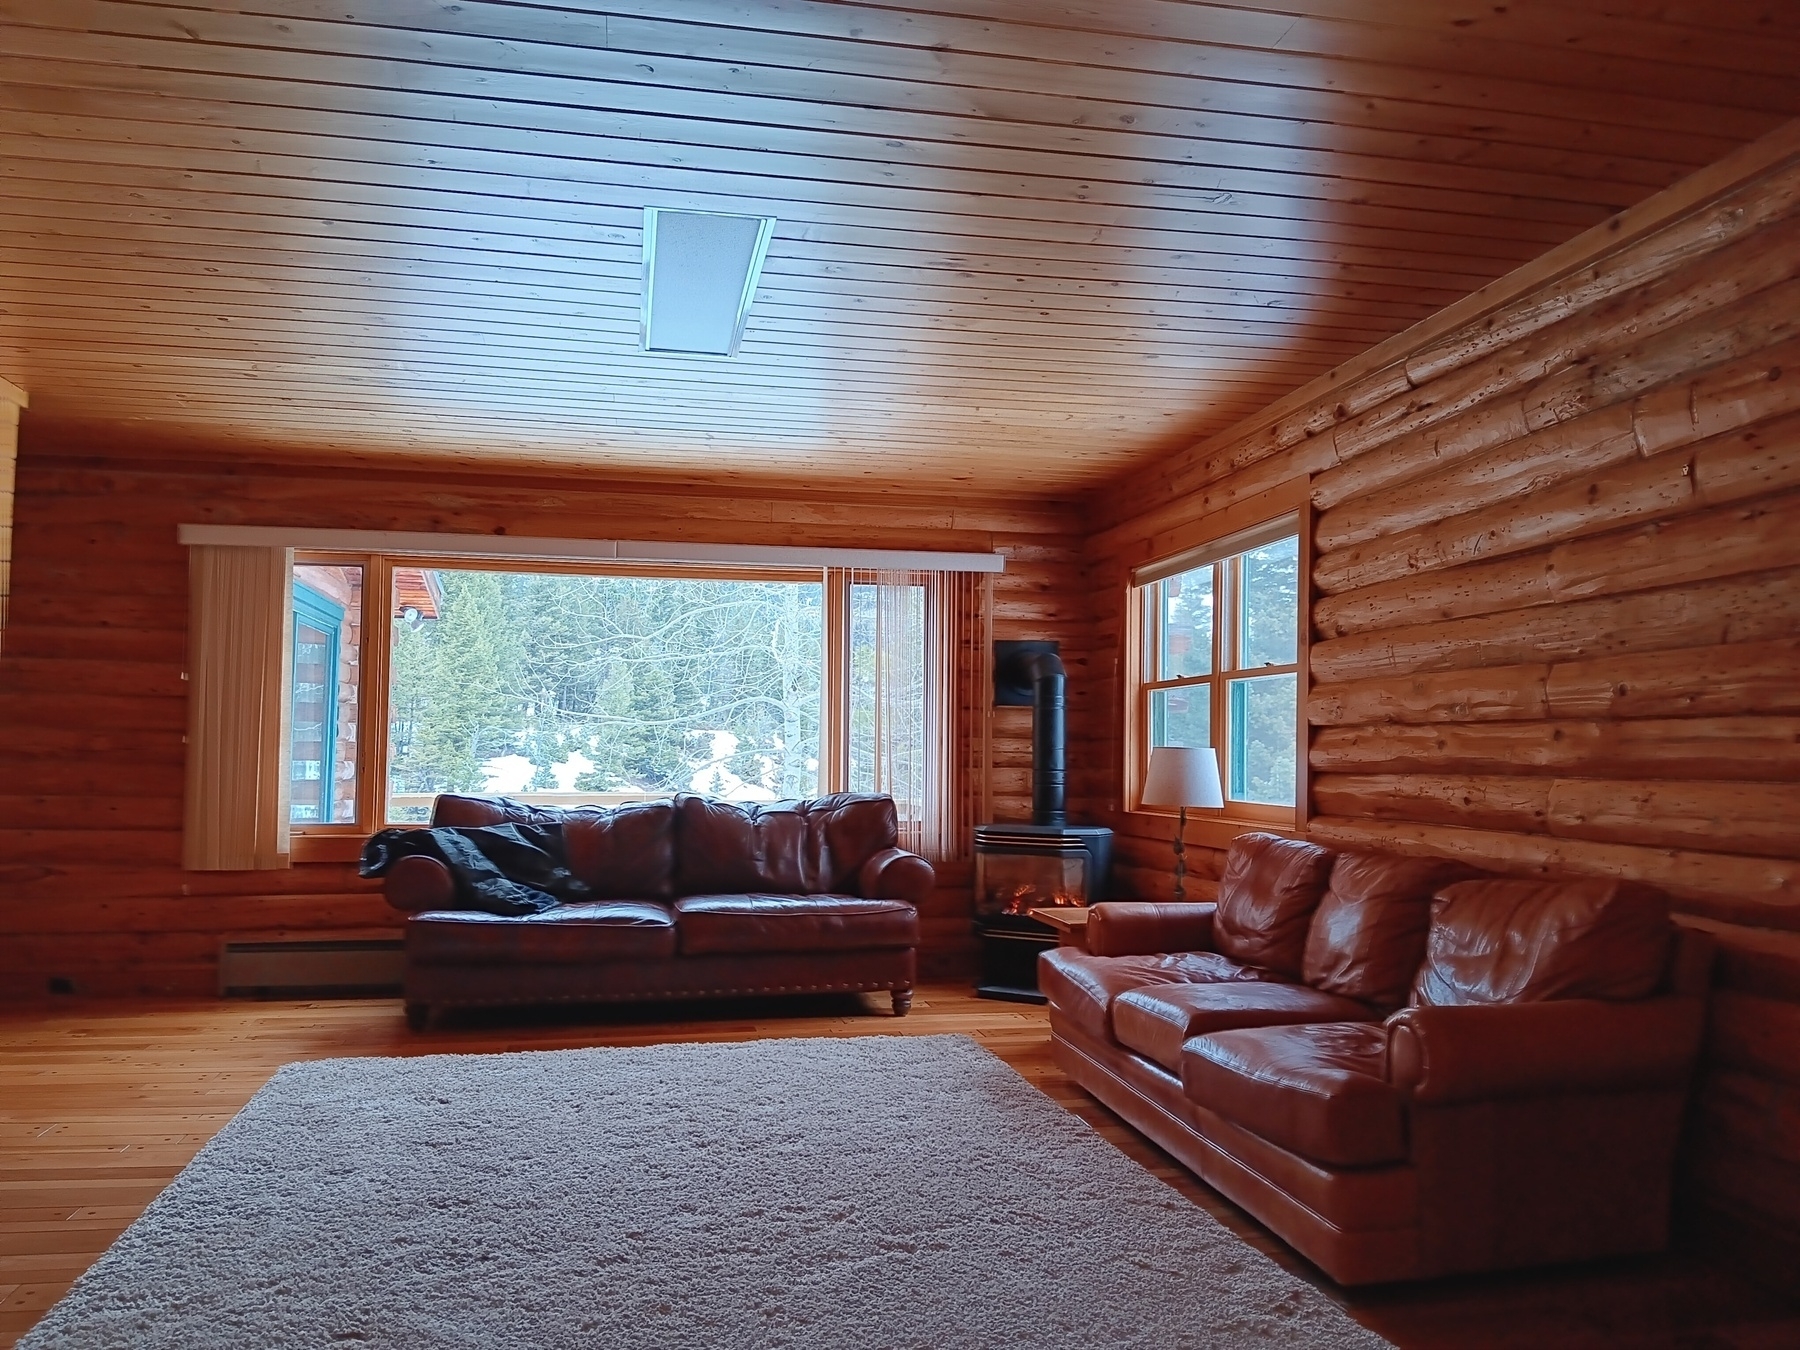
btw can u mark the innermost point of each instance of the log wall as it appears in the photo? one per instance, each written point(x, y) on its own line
point(1555, 625)
point(92, 693)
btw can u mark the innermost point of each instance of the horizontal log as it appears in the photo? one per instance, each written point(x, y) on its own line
point(1755, 322)
point(1762, 607)
point(162, 646)
point(1745, 464)
point(1759, 1036)
point(25, 674)
point(1762, 892)
point(1703, 545)
point(1750, 677)
point(1496, 694)
point(110, 811)
point(1491, 803)
point(1591, 504)
point(1476, 461)
point(1701, 747)
point(1739, 290)
point(1737, 394)
point(1731, 817)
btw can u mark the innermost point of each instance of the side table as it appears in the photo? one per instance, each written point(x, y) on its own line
point(1069, 921)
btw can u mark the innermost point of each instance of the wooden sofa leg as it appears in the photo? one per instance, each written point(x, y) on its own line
point(418, 1016)
point(902, 1002)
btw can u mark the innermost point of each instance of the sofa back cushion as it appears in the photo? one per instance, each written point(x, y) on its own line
point(1500, 941)
point(786, 848)
point(451, 808)
point(1367, 938)
point(623, 852)
point(1267, 896)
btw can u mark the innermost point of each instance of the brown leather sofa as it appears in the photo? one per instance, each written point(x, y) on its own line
point(1403, 1068)
point(693, 898)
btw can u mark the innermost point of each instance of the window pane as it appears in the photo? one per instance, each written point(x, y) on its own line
point(327, 641)
point(564, 689)
point(1264, 739)
point(1270, 632)
point(887, 692)
point(1187, 624)
point(1181, 716)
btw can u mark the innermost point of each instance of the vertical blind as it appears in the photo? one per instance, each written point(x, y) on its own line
point(238, 661)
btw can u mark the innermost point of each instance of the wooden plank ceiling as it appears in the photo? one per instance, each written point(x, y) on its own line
point(1022, 244)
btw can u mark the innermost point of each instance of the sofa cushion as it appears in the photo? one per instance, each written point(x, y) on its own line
point(1156, 1020)
point(1318, 1090)
point(623, 851)
point(726, 924)
point(607, 930)
point(1367, 938)
point(1267, 896)
point(1501, 941)
point(785, 848)
point(1083, 987)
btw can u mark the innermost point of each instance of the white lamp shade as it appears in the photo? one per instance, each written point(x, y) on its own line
point(1182, 775)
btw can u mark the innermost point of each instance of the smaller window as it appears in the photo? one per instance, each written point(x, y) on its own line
point(1219, 664)
point(322, 711)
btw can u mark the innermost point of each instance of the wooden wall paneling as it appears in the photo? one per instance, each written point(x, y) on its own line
point(90, 887)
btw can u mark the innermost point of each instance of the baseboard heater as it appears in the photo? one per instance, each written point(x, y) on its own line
point(347, 968)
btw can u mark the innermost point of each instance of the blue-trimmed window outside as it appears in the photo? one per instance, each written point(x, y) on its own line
point(318, 649)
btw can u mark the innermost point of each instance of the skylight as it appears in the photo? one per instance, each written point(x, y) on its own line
point(700, 274)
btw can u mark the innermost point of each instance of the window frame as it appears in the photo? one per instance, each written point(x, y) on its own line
point(1256, 522)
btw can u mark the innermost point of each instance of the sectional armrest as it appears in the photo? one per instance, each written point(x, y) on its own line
point(1144, 928)
point(895, 874)
point(418, 883)
point(1444, 1056)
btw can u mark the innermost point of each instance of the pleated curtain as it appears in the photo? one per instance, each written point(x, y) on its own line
point(238, 662)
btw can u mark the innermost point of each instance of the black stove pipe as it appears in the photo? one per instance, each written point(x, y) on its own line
point(1049, 734)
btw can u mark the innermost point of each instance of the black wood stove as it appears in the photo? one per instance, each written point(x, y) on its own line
point(1049, 862)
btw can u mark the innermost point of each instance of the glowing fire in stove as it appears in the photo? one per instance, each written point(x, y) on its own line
point(1024, 899)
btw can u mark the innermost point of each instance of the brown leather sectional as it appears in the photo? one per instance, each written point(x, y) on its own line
point(694, 898)
point(1401, 1066)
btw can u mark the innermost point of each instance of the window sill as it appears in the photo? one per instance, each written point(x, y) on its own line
point(326, 848)
point(1217, 831)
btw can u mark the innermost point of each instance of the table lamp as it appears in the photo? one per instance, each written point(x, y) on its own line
point(1182, 776)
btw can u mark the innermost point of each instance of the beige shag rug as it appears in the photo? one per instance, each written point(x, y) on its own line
point(874, 1191)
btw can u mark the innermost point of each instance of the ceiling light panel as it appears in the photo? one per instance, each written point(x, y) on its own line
point(700, 274)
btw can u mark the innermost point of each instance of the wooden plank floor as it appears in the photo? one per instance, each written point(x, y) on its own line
point(102, 1102)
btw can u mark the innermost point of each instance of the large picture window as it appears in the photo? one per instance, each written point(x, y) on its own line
point(564, 689)
point(1219, 664)
point(412, 677)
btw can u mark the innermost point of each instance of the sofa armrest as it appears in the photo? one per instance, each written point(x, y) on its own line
point(895, 874)
point(418, 883)
point(1143, 928)
point(1448, 1055)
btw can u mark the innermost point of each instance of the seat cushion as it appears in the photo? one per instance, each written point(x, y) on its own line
point(1519, 941)
point(1367, 938)
point(607, 930)
point(1156, 1020)
point(723, 924)
point(1267, 896)
point(1319, 1090)
point(1084, 987)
